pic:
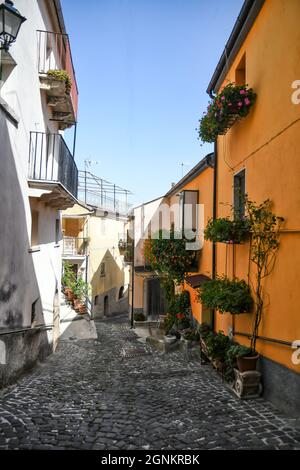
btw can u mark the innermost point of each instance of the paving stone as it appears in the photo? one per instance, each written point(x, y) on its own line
point(86, 396)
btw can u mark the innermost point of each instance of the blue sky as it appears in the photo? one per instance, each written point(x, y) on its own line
point(142, 68)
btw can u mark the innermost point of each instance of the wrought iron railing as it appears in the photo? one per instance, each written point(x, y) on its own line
point(74, 246)
point(54, 53)
point(51, 160)
point(94, 198)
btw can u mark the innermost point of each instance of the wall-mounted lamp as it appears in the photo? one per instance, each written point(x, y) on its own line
point(10, 24)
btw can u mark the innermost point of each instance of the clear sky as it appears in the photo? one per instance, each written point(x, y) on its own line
point(142, 68)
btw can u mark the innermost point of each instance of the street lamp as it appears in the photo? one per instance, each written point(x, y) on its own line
point(10, 24)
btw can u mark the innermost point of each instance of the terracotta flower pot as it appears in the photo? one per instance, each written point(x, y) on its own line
point(70, 295)
point(245, 363)
point(82, 309)
point(77, 304)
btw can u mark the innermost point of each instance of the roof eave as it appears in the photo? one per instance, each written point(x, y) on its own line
point(206, 162)
point(243, 24)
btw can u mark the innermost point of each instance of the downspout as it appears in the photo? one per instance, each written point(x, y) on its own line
point(132, 276)
point(214, 247)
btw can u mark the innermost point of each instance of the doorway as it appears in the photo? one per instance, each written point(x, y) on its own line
point(106, 309)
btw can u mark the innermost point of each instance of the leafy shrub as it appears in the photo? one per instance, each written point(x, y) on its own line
point(204, 329)
point(138, 316)
point(191, 334)
point(180, 303)
point(167, 253)
point(217, 345)
point(226, 230)
point(226, 295)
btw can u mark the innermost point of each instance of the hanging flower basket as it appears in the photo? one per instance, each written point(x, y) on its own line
point(229, 106)
point(224, 230)
point(226, 295)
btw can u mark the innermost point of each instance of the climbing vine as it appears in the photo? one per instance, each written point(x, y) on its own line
point(264, 244)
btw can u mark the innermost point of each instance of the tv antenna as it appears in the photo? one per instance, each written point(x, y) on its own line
point(184, 164)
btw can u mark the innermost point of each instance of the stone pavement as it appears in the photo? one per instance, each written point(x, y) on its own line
point(117, 393)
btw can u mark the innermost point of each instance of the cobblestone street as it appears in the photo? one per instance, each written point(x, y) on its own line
point(117, 393)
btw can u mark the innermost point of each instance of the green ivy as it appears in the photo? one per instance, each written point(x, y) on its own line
point(169, 256)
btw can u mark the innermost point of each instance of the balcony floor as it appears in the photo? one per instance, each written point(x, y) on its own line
point(53, 194)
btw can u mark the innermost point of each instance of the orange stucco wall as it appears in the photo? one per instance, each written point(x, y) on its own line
point(267, 144)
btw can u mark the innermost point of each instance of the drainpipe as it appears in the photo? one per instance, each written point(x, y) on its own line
point(214, 247)
point(132, 276)
point(74, 140)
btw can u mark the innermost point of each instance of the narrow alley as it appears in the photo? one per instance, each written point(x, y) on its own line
point(118, 393)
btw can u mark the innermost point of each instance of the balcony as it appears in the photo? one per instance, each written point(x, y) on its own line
point(74, 246)
point(52, 170)
point(54, 53)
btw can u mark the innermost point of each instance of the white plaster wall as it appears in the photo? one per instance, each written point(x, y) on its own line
point(143, 215)
point(39, 273)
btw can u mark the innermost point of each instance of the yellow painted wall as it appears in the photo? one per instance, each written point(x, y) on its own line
point(103, 247)
point(266, 143)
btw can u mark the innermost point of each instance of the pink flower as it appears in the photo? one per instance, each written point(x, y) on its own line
point(240, 103)
point(242, 92)
point(222, 98)
point(229, 104)
point(247, 101)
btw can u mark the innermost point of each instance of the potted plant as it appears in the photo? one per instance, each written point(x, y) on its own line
point(182, 321)
point(226, 295)
point(224, 230)
point(80, 291)
point(204, 330)
point(241, 357)
point(63, 76)
point(217, 345)
point(190, 335)
point(169, 322)
point(68, 277)
point(139, 317)
point(122, 245)
point(230, 105)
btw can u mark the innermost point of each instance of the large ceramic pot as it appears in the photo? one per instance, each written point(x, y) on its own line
point(245, 363)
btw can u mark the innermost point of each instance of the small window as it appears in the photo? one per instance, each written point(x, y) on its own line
point(57, 231)
point(102, 269)
point(240, 72)
point(239, 194)
point(188, 213)
point(96, 300)
point(34, 228)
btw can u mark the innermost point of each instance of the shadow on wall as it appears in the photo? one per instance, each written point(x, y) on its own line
point(20, 303)
point(109, 295)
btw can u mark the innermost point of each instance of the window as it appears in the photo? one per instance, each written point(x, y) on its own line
point(240, 72)
point(34, 228)
point(96, 300)
point(102, 269)
point(57, 231)
point(239, 191)
point(188, 213)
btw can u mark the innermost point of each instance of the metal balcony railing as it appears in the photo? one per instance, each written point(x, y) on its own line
point(54, 53)
point(51, 160)
point(74, 246)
